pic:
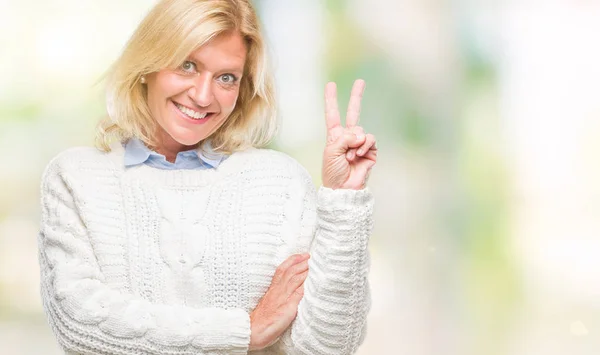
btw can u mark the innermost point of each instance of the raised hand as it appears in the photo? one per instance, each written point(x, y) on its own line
point(279, 306)
point(349, 153)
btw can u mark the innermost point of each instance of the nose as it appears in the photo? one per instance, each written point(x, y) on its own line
point(201, 91)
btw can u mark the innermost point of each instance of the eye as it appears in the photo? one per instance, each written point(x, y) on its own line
point(228, 78)
point(188, 67)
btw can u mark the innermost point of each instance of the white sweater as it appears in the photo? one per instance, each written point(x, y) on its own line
point(149, 261)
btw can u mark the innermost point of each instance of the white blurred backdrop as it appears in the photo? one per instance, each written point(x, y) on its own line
point(487, 113)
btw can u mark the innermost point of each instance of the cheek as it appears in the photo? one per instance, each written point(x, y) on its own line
point(228, 100)
point(153, 99)
point(162, 86)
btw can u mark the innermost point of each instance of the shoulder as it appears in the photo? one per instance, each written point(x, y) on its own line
point(276, 164)
point(78, 161)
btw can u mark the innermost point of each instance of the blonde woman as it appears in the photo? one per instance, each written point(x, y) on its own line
point(178, 234)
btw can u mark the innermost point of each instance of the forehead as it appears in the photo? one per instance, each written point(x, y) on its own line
point(226, 50)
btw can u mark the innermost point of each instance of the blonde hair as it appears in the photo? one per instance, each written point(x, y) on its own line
point(164, 39)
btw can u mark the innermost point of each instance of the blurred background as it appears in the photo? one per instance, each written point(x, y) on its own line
point(487, 114)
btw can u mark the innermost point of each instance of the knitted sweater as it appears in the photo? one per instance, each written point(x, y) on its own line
point(149, 261)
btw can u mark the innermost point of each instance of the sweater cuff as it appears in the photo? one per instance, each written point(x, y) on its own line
point(343, 199)
point(232, 333)
point(240, 331)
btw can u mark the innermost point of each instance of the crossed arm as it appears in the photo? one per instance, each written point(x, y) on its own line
point(89, 317)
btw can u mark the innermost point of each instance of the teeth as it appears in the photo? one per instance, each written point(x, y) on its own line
point(190, 113)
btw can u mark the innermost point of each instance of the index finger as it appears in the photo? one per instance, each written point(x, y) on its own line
point(292, 260)
point(332, 113)
point(286, 264)
point(353, 114)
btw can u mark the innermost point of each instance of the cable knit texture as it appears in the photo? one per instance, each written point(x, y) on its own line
point(148, 261)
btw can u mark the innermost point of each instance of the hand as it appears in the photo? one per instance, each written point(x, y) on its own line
point(279, 306)
point(349, 154)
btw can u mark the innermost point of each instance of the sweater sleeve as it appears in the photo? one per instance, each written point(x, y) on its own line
point(332, 314)
point(87, 316)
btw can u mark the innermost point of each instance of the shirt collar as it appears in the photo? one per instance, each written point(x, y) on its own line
point(136, 152)
point(207, 154)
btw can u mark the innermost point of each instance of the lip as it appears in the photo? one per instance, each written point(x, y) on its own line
point(185, 117)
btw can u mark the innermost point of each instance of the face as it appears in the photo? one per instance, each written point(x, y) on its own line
point(193, 101)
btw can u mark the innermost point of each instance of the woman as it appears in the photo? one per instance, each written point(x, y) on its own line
point(179, 235)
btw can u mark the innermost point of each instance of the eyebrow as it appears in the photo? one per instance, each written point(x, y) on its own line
point(234, 69)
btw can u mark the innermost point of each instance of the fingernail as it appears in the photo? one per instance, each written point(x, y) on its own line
point(360, 152)
point(360, 136)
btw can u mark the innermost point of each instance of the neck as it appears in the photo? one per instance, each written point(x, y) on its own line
point(170, 148)
point(170, 151)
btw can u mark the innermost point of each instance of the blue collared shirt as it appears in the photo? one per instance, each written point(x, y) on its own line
point(137, 153)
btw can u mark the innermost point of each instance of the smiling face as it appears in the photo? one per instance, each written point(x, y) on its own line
point(193, 101)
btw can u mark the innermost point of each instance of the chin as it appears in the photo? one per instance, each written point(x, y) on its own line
point(190, 141)
point(186, 138)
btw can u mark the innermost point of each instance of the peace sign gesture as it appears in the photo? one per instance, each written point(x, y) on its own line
point(349, 154)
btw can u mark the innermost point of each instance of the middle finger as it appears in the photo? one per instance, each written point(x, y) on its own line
point(353, 113)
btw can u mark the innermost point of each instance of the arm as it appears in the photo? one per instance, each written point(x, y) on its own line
point(332, 315)
point(89, 317)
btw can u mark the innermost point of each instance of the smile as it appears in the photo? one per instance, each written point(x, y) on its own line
point(195, 115)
